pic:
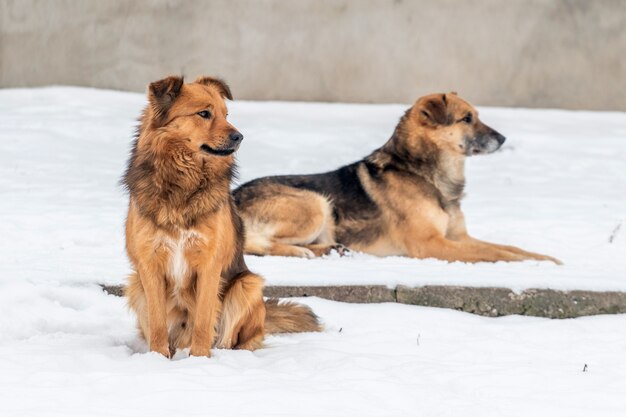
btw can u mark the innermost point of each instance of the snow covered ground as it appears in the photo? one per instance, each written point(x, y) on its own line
point(74, 352)
point(558, 186)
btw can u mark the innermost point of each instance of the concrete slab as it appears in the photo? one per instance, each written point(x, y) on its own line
point(484, 301)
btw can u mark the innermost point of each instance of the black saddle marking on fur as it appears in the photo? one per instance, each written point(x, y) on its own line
point(356, 214)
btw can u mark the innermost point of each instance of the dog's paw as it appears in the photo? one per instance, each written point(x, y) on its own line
point(340, 249)
point(304, 252)
point(551, 259)
point(539, 257)
point(164, 350)
point(198, 351)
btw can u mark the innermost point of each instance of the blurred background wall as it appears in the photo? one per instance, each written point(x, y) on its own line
point(531, 53)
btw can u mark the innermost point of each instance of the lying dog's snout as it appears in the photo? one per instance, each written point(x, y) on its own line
point(487, 140)
point(235, 138)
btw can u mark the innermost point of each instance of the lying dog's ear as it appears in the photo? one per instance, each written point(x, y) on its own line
point(162, 95)
point(434, 111)
point(221, 85)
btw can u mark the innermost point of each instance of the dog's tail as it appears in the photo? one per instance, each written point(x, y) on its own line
point(289, 317)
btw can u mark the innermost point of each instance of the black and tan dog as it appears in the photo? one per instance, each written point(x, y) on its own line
point(190, 287)
point(403, 199)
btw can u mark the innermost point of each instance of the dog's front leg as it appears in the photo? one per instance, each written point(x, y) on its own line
point(514, 249)
point(461, 251)
point(431, 243)
point(457, 231)
point(153, 284)
point(207, 308)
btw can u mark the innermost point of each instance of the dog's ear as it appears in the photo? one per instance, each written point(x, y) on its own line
point(220, 84)
point(434, 111)
point(162, 95)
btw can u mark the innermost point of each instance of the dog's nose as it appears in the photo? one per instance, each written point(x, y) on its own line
point(500, 138)
point(235, 137)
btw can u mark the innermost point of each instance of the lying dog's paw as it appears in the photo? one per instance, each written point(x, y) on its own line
point(304, 252)
point(340, 249)
point(555, 260)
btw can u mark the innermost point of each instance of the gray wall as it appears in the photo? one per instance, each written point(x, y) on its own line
point(535, 53)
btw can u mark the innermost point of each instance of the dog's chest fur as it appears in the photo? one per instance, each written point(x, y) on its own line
point(176, 248)
point(449, 180)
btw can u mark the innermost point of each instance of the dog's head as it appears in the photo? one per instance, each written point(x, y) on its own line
point(194, 115)
point(453, 125)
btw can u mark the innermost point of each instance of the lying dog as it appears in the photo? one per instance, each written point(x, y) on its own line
point(403, 199)
point(191, 287)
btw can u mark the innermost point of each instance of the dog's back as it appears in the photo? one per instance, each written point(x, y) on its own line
point(342, 187)
point(307, 215)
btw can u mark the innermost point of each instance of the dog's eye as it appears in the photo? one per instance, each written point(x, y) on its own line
point(205, 114)
point(467, 119)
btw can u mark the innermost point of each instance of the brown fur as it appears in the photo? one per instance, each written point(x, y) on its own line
point(191, 287)
point(403, 199)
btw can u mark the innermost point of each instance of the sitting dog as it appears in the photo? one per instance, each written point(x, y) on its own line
point(402, 199)
point(190, 286)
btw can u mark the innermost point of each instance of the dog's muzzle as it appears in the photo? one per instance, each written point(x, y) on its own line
point(485, 142)
point(234, 140)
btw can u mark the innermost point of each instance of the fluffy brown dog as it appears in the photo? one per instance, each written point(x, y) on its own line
point(191, 287)
point(403, 199)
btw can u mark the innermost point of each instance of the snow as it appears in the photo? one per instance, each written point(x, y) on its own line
point(68, 349)
point(558, 186)
point(74, 351)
